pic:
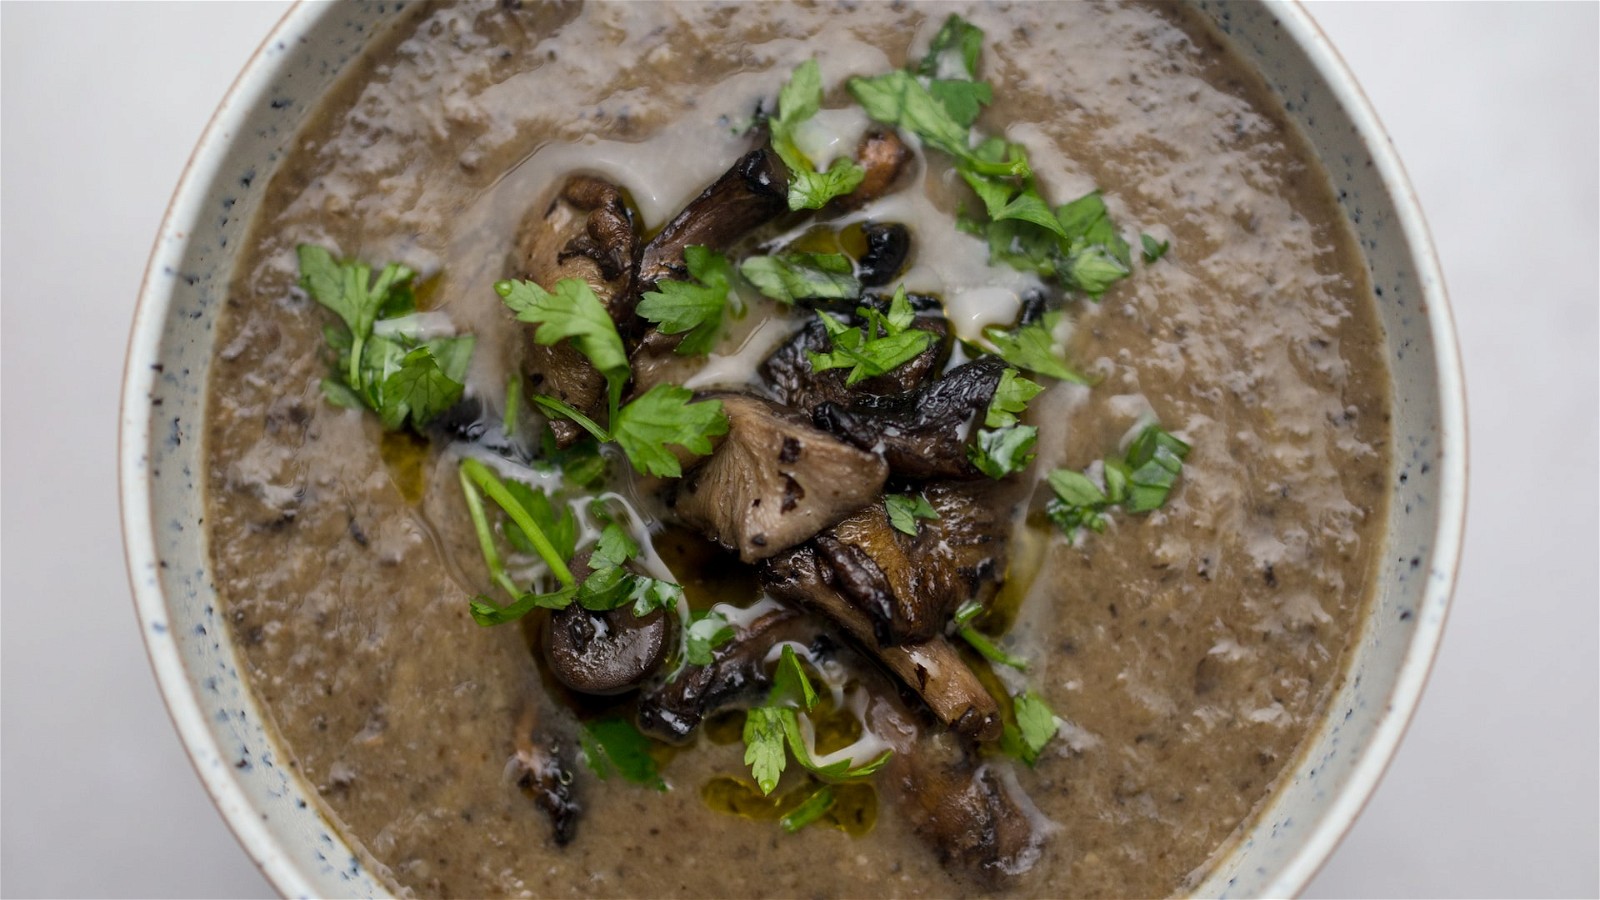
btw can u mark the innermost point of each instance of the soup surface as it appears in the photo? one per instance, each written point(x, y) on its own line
point(1186, 652)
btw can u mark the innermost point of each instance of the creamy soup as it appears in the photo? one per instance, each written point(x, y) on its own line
point(1183, 653)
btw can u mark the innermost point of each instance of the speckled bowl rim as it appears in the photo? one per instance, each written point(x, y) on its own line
point(154, 306)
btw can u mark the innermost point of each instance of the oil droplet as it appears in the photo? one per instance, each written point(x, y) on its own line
point(404, 455)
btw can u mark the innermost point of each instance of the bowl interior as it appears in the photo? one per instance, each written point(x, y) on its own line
point(272, 810)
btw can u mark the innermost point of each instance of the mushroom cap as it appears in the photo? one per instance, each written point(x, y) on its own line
point(604, 652)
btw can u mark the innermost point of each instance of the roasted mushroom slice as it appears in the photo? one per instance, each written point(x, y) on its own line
point(888, 245)
point(963, 811)
point(774, 481)
point(752, 193)
point(883, 156)
point(909, 585)
point(543, 772)
point(605, 652)
point(584, 232)
point(932, 669)
point(672, 710)
point(922, 433)
point(791, 380)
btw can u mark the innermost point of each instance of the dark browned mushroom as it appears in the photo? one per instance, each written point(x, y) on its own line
point(922, 433)
point(888, 245)
point(673, 709)
point(605, 652)
point(544, 773)
point(585, 231)
point(961, 809)
point(932, 669)
point(752, 193)
point(773, 481)
point(910, 584)
point(790, 379)
point(884, 156)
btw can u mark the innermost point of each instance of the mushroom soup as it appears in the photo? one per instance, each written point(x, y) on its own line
point(859, 449)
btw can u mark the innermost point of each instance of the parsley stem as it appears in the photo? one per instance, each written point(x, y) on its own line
point(987, 649)
point(486, 480)
point(480, 524)
point(811, 809)
point(513, 405)
point(561, 409)
point(358, 346)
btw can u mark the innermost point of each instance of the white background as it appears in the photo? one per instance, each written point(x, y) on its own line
point(1494, 110)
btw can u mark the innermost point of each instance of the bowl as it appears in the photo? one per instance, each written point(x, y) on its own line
point(160, 463)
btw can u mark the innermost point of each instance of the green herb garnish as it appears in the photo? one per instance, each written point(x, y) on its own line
point(792, 277)
point(882, 343)
point(905, 509)
point(614, 745)
point(396, 373)
point(980, 641)
point(998, 452)
point(767, 728)
point(1010, 400)
point(706, 632)
point(1139, 482)
point(695, 307)
point(810, 809)
point(1033, 348)
point(1153, 249)
point(571, 311)
point(799, 100)
point(1036, 725)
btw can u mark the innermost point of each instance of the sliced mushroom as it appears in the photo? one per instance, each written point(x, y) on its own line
point(922, 433)
point(909, 585)
point(884, 156)
point(584, 232)
point(962, 810)
point(791, 380)
point(932, 669)
point(773, 481)
point(752, 193)
point(672, 710)
point(604, 652)
point(888, 245)
point(544, 772)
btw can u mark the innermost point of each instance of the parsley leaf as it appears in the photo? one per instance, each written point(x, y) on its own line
point(1140, 482)
point(705, 634)
point(1036, 725)
point(882, 343)
point(763, 745)
point(956, 34)
point(963, 100)
point(1002, 451)
point(613, 744)
point(810, 809)
point(559, 525)
point(396, 374)
point(1033, 348)
point(897, 98)
point(1010, 399)
point(665, 415)
point(696, 308)
point(791, 277)
point(799, 100)
point(790, 684)
point(1153, 249)
point(980, 641)
point(571, 311)
point(905, 509)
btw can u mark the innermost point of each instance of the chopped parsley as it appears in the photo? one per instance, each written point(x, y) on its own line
point(770, 727)
point(1139, 482)
point(799, 100)
point(614, 746)
point(1153, 249)
point(395, 372)
point(998, 452)
point(814, 807)
point(665, 414)
point(980, 641)
point(706, 632)
point(1010, 400)
point(1036, 725)
point(882, 343)
point(695, 307)
point(905, 509)
point(1033, 348)
point(792, 277)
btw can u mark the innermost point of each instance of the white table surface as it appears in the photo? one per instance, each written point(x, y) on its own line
point(1494, 110)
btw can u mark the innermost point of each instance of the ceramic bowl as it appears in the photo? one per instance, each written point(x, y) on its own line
point(273, 812)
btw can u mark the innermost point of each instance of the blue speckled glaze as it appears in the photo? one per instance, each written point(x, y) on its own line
point(271, 809)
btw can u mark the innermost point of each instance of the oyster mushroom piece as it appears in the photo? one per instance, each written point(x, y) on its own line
point(543, 770)
point(752, 193)
point(883, 156)
point(672, 710)
point(584, 232)
point(933, 669)
point(961, 809)
point(604, 652)
point(791, 380)
point(774, 481)
point(922, 433)
point(910, 584)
